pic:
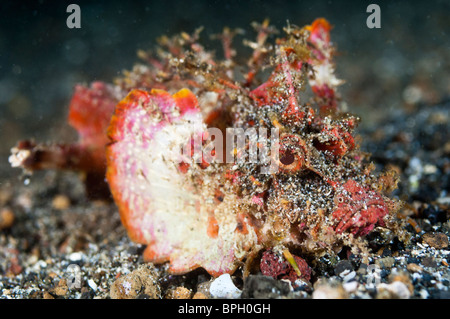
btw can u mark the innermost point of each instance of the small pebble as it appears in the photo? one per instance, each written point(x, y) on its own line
point(223, 287)
point(179, 293)
point(130, 286)
point(5, 195)
point(6, 218)
point(25, 201)
point(404, 277)
point(265, 287)
point(396, 289)
point(203, 288)
point(60, 202)
point(414, 268)
point(386, 262)
point(326, 290)
point(86, 293)
point(436, 240)
point(426, 279)
point(429, 262)
point(48, 296)
point(53, 275)
point(199, 295)
point(92, 284)
point(362, 270)
point(350, 286)
point(61, 289)
point(76, 256)
point(342, 266)
point(348, 277)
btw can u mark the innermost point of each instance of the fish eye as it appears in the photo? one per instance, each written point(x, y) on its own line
point(287, 158)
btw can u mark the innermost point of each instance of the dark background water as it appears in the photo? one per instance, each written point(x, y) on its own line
point(387, 70)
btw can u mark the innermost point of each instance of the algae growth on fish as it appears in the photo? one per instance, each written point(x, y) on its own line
point(294, 184)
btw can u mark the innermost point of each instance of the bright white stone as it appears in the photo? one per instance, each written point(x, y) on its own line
point(223, 287)
point(92, 284)
point(76, 256)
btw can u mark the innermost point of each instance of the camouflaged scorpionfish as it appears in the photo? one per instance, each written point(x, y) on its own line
point(216, 214)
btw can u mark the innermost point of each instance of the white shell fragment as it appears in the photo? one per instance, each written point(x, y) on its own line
point(92, 284)
point(223, 287)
